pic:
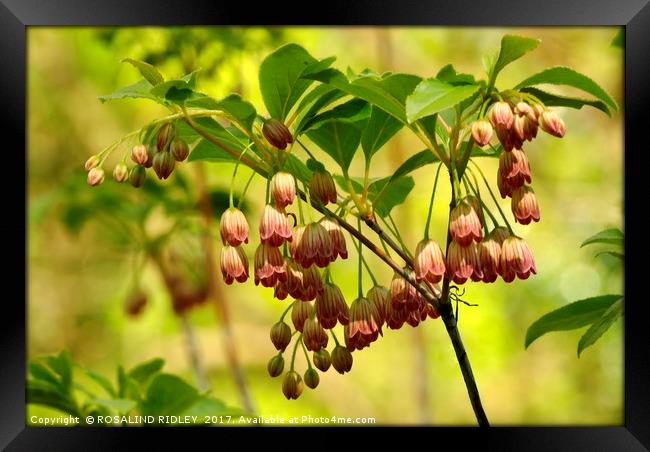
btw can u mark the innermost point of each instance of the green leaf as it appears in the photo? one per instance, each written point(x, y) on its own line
point(599, 327)
point(138, 90)
point(143, 372)
point(115, 405)
point(42, 393)
point(489, 151)
point(620, 256)
point(448, 74)
point(512, 48)
point(191, 78)
point(149, 72)
point(206, 150)
point(206, 406)
point(432, 96)
point(318, 66)
point(388, 92)
point(381, 127)
point(556, 100)
point(297, 168)
point(314, 165)
point(62, 365)
point(566, 76)
point(174, 90)
point(40, 372)
point(339, 139)
point(422, 158)
point(101, 381)
point(313, 102)
point(609, 236)
point(354, 110)
point(570, 317)
point(238, 109)
point(280, 81)
point(386, 194)
point(619, 39)
point(167, 394)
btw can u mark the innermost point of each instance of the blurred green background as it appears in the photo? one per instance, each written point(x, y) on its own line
point(78, 280)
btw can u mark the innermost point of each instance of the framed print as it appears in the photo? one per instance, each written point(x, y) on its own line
point(362, 215)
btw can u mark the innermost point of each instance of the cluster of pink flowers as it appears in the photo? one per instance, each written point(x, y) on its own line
point(515, 125)
point(472, 256)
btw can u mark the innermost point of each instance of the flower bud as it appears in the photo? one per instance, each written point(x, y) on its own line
point(274, 227)
point(165, 136)
point(365, 323)
point(120, 172)
point(300, 312)
point(328, 305)
point(135, 302)
point(163, 164)
point(341, 359)
point(322, 188)
point(501, 116)
point(551, 123)
point(276, 133)
point(283, 189)
point(489, 251)
point(280, 335)
point(396, 315)
point(234, 264)
point(500, 234)
point(312, 283)
point(429, 263)
point(292, 385)
point(523, 109)
point(179, 149)
point(514, 169)
point(402, 293)
point(269, 266)
point(139, 154)
point(379, 296)
point(313, 246)
point(465, 224)
point(516, 259)
point(92, 162)
point(524, 205)
point(519, 128)
point(311, 378)
point(275, 366)
point(337, 237)
point(137, 176)
point(507, 139)
point(151, 153)
point(322, 360)
point(463, 262)
point(233, 227)
point(95, 176)
point(314, 335)
point(482, 132)
point(295, 277)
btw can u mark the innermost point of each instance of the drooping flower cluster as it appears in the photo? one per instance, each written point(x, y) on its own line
point(162, 151)
point(514, 125)
point(484, 258)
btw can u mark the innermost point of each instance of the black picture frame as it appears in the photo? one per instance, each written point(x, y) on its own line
point(16, 15)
